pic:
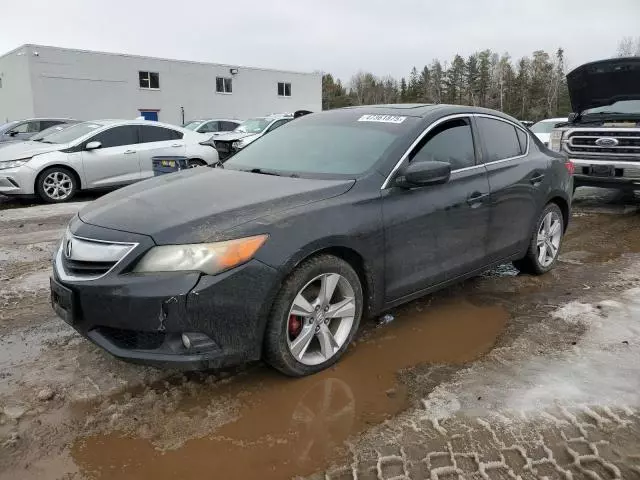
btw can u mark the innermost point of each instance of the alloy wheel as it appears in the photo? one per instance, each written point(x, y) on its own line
point(58, 185)
point(548, 240)
point(321, 318)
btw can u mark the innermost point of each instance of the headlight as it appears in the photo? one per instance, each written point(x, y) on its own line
point(555, 140)
point(209, 258)
point(13, 163)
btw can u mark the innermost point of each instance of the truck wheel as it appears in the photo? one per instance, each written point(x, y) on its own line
point(314, 317)
point(544, 246)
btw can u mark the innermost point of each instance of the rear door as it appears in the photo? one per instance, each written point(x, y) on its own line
point(438, 232)
point(517, 178)
point(116, 161)
point(157, 141)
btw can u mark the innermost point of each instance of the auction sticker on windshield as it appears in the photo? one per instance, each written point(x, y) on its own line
point(382, 118)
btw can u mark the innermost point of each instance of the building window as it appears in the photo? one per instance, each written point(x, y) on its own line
point(223, 85)
point(284, 89)
point(150, 80)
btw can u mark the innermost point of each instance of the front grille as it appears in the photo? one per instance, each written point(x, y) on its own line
point(627, 143)
point(132, 339)
point(86, 268)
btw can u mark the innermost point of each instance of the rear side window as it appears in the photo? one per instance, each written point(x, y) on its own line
point(522, 138)
point(150, 134)
point(116, 136)
point(450, 142)
point(228, 126)
point(49, 123)
point(500, 139)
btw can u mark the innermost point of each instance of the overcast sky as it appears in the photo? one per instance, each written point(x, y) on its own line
point(338, 36)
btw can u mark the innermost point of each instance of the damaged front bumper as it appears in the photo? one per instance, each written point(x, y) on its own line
point(142, 318)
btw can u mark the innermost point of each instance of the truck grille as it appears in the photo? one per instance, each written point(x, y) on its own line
point(609, 143)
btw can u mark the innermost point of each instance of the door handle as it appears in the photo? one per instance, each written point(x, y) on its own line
point(476, 198)
point(176, 145)
point(537, 179)
point(129, 152)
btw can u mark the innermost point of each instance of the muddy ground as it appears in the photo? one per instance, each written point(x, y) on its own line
point(503, 376)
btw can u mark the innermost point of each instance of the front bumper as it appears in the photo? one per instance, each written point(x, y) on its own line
point(141, 318)
point(17, 181)
point(613, 172)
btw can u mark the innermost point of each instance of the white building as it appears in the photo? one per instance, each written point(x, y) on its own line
point(39, 81)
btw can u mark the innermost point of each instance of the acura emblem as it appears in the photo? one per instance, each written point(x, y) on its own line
point(607, 142)
point(67, 248)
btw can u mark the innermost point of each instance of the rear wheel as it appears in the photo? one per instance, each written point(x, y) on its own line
point(315, 316)
point(56, 185)
point(196, 162)
point(545, 242)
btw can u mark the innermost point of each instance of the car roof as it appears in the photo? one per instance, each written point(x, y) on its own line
point(426, 109)
point(114, 121)
point(235, 120)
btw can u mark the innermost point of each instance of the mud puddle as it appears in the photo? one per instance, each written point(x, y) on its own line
point(285, 427)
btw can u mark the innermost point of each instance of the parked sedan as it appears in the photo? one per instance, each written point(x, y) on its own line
point(93, 155)
point(212, 125)
point(23, 129)
point(336, 215)
point(247, 132)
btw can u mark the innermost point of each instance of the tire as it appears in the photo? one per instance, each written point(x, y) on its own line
point(531, 263)
point(196, 162)
point(56, 185)
point(285, 327)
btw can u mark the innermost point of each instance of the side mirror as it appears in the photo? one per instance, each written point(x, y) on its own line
point(572, 117)
point(93, 146)
point(421, 174)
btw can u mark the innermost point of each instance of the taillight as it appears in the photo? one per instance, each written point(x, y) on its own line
point(570, 166)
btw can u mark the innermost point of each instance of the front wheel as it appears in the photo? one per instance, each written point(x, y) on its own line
point(56, 185)
point(545, 242)
point(314, 317)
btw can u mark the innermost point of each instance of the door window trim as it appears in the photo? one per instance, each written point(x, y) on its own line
point(437, 122)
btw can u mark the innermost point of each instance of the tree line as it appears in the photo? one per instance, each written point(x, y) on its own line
point(530, 88)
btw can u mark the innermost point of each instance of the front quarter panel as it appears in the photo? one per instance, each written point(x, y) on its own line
point(72, 161)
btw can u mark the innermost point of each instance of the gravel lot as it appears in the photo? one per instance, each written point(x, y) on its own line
point(504, 376)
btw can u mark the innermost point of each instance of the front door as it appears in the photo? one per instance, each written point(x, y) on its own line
point(157, 141)
point(116, 161)
point(516, 172)
point(436, 233)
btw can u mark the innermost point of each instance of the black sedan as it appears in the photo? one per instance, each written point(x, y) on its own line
point(338, 215)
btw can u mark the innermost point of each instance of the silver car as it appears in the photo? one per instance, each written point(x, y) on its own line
point(24, 129)
point(94, 155)
point(212, 125)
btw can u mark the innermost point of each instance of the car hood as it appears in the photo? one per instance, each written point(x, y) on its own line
point(603, 83)
point(233, 136)
point(199, 205)
point(17, 150)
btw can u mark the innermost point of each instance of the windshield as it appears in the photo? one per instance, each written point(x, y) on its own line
point(48, 131)
point(192, 125)
point(253, 125)
point(623, 106)
point(545, 126)
point(321, 144)
point(72, 133)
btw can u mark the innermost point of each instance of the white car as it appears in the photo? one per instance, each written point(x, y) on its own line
point(213, 125)
point(94, 155)
point(543, 128)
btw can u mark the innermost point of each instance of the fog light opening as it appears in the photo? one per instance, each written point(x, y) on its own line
point(197, 341)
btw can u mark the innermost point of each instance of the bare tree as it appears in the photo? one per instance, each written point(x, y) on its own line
point(629, 47)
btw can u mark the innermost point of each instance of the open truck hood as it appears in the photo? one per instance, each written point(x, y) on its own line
point(605, 82)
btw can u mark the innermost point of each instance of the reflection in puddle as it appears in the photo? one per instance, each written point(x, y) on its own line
point(290, 427)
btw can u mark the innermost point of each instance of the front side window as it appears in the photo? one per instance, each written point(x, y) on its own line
point(284, 89)
point(450, 142)
point(150, 80)
point(116, 136)
point(22, 128)
point(209, 127)
point(223, 85)
point(150, 134)
point(500, 139)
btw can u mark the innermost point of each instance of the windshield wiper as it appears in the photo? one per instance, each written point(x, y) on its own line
point(263, 172)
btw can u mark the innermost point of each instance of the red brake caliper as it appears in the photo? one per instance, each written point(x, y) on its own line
point(295, 325)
